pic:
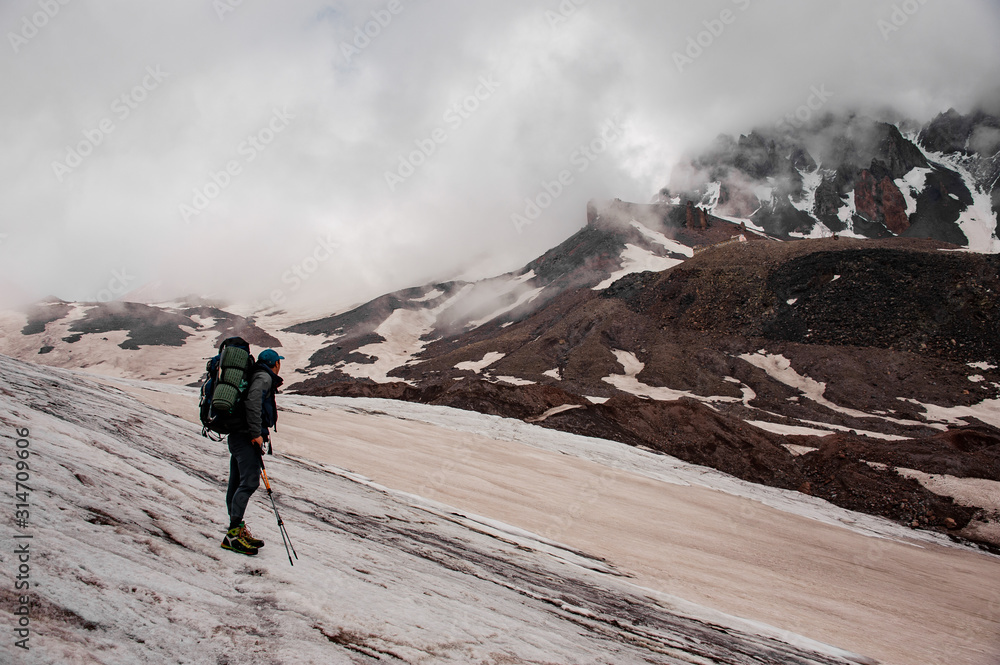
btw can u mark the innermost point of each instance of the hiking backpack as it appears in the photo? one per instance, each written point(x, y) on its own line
point(221, 405)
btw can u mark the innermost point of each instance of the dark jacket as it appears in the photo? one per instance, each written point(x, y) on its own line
point(262, 411)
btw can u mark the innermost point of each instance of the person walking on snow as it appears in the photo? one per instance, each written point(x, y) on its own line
point(246, 448)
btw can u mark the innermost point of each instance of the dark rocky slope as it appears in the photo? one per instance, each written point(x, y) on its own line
point(877, 322)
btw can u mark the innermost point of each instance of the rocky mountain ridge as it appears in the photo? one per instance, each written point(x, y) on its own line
point(858, 176)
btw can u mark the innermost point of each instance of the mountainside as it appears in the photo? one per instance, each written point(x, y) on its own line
point(849, 175)
point(166, 341)
point(171, 341)
point(856, 176)
point(747, 355)
point(376, 340)
point(801, 309)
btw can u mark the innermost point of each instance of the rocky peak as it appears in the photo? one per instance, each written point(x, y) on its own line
point(948, 132)
point(757, 156)
point(898, 154)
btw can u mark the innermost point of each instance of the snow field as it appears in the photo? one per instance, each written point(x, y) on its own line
point(773, 556)
point(126, 518)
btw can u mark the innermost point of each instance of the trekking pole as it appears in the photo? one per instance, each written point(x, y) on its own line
point(281, 525)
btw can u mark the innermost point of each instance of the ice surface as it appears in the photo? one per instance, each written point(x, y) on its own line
point(125, 524)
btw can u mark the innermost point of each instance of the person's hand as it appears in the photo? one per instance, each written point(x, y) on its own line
point(259, 442)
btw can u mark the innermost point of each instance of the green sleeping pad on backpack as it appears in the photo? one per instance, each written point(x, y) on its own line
point(234, 370)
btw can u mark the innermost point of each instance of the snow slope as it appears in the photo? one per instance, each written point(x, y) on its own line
point(125, 565)
point(773, 556)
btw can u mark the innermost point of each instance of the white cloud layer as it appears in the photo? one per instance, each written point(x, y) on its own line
point(278, 122)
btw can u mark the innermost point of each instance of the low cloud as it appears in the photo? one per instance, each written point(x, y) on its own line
point(362, 85)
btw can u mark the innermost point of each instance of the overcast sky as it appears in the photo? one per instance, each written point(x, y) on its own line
point(230, 148)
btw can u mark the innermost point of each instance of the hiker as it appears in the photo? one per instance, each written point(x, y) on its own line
point(246, 447)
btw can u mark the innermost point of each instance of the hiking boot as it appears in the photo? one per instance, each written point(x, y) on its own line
point(248, 537)
point(233, 541)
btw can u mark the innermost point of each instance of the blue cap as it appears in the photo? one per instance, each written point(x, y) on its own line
point(269, 357)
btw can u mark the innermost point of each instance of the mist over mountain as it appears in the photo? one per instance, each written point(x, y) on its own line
point(856, 175)
point(277, 126)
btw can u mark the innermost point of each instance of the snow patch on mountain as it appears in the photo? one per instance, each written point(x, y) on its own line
point(628, 382)
point(562, 408)
point(987, 411)
point(846, 215)
point(792, 430)
point(818, 230)
point(522, 299)
point(862, 432)
point(780, 369)
point(479, 365)
point(811, 180)
point(659, 238)
point(748, 392)
point(978, 221)
point(911, 185)
point(404, 333)
point(967, 491)
point(430, 295)
point(511, 380)
point(636, 259)
point(713, 192)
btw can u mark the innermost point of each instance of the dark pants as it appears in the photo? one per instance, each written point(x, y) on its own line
point(244, 476)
